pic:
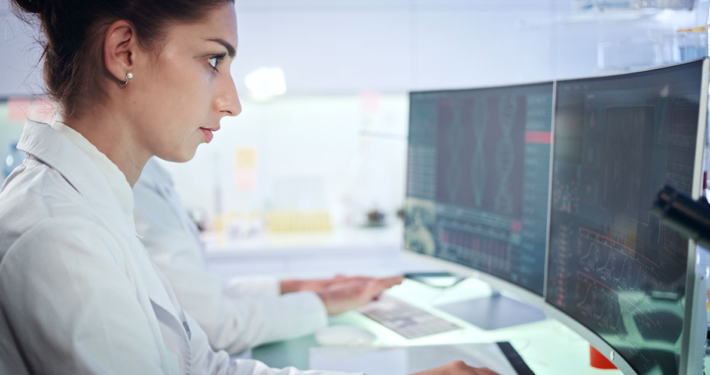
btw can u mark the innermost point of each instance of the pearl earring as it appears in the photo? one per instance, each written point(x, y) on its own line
point(129, 76)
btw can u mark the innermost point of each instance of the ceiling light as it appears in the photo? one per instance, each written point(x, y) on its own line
point(265, 83)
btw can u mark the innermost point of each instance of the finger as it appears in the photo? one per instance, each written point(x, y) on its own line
point(397, 279)
point(349, 279)
point(376, 288)
point(361, 278)
point(392, 281)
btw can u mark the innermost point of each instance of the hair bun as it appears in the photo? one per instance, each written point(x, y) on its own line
point(31, 6)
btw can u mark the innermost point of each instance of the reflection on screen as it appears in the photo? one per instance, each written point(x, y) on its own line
point(478, 179)
point(613, 266)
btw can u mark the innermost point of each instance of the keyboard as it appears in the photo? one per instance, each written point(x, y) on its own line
point(405, 319)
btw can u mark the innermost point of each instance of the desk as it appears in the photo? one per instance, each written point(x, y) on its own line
point(548, 347)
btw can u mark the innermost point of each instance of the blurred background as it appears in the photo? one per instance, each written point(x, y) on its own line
point(321, 143)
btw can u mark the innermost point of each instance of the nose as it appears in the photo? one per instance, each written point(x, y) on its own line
point(228, 102)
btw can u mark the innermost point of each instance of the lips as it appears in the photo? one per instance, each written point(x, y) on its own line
point(208, 133)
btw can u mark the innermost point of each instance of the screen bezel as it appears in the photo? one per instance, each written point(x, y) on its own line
point(695, 306)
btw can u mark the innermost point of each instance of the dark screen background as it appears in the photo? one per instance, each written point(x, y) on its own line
point(613, 266)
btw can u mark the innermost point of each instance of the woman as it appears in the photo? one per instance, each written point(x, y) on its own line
point(78, 293)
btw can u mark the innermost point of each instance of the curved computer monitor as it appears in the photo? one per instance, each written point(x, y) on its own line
point(615, 274)
point(478, 183)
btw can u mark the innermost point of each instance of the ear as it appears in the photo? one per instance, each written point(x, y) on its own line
point(120, 49)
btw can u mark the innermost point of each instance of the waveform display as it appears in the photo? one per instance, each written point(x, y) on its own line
point(612, 265)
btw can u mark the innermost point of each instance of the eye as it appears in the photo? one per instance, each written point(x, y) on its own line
point(215, 60)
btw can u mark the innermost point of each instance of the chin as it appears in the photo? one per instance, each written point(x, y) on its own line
point(179, 156)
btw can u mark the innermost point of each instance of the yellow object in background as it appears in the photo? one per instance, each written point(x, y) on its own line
point(697, 29)
point(298, 221)
point(245, 164)
point(245, 157)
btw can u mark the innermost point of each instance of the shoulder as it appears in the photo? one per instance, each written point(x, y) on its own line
point(70, 230)
point(38, 203)
point(36, 192)
point(64, 242)
point(38, 186)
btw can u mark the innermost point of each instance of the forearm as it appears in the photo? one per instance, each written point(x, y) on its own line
point(291, 286)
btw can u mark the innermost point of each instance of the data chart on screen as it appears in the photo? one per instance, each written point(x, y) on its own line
point(478, 179)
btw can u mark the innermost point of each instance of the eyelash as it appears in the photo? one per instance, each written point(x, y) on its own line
point(218, 59)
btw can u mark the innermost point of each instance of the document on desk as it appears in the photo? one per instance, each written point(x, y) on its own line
point(499, 357)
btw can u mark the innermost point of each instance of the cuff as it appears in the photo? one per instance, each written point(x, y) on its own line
point(252, 287)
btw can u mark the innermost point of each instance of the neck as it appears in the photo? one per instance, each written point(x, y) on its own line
point(112, 136)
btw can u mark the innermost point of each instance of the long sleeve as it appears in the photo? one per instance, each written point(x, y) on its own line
point(70, 308)
point(238, 287)
point(233, 320)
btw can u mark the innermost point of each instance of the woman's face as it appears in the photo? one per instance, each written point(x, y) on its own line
point(187, 86)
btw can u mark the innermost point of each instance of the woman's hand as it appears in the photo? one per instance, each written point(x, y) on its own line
point(354, 293)
point(457, 368)
point(316, 285)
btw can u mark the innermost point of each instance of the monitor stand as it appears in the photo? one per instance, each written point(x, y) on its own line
point(494, 312)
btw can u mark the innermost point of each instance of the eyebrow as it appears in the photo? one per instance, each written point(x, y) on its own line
point(230, 48)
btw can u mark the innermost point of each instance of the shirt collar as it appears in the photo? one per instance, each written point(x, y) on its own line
point(116, 179)
point(60, 153)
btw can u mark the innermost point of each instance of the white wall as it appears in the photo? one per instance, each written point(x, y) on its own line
point(20, 73)
point(346, 46)
point(357, 156)
point(333, 50)
point(395, 46)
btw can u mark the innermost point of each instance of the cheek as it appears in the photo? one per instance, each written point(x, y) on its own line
point(179, 90)
point(180, 98)
point(175, 101)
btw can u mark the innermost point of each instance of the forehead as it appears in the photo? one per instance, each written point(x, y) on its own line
point(219, 23)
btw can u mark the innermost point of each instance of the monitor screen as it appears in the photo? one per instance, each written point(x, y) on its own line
point(478, 179)
point(613, 267)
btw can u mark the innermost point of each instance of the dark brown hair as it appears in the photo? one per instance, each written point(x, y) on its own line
point(73, 36)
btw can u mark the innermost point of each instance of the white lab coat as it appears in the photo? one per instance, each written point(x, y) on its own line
point(78, 292)
point(237, 314)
